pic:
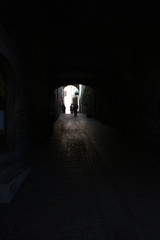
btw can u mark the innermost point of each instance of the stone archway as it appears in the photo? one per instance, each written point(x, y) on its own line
point(70, 96)
point(75, 85)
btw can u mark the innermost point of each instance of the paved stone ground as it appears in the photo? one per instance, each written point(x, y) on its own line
point(88, 182)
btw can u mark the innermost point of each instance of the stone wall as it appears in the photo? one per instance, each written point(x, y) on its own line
point(129, 105)
point(88, 101)
point(27, 97)
point(56, 101)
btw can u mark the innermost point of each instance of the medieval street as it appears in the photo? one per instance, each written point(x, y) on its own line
point(77, 188)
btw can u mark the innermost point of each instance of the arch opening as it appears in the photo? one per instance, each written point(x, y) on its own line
point(71, 96)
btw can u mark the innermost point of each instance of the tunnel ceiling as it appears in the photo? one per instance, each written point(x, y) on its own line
point(82, 36)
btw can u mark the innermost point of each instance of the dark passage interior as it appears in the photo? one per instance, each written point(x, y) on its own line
point(96, 175)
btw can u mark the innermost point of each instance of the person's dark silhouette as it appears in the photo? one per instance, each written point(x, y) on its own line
point(75, 107)
point(63, 108)
point(71, 108)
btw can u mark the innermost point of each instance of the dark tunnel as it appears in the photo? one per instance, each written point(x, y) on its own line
point(96, 175)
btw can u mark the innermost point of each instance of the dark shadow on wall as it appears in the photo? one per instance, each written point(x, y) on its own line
point(7, 105)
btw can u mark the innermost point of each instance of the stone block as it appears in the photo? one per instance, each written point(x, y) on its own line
point(9, 188)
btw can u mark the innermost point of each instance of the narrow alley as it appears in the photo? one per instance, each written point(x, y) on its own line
point(95, 175)
point(77, 188)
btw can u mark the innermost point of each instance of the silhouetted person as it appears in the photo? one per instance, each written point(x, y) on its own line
point(71, 108)
point(63, 108)
point(75, 107)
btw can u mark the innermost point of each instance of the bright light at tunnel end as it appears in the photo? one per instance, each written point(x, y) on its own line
point(69, 93)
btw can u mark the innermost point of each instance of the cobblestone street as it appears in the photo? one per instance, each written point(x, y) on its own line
point(70, 193)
